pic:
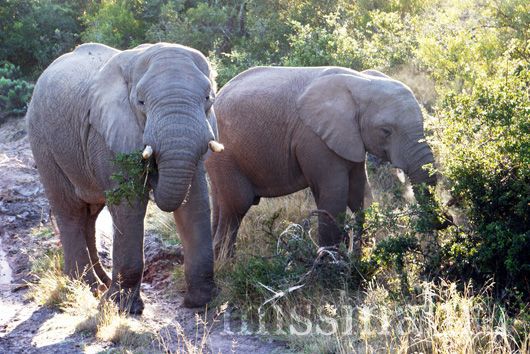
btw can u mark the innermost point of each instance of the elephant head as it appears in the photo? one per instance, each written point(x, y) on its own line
point(355, 113)
point(157, 96)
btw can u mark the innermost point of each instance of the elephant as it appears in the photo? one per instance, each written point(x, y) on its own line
point(288, 128)
point(96, 102)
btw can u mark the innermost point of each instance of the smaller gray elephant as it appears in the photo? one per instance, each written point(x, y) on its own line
point(95, 102)
point(286, 129)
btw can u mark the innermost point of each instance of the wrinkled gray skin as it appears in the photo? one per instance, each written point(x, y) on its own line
point(285, 129)
point(95, 102)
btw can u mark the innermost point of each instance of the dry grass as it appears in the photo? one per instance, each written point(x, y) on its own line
point(294, 207)
point(42, 232)
point(88, 314)
point(257, 229)
point(186, 343)
point(111, 325)
point(435, 318)
point(443, 320)
point(161, 223)
point(74, 297)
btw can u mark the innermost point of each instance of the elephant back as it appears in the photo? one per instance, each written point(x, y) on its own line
point(61, 90)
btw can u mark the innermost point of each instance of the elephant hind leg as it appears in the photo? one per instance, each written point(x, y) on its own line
point(92, 249)
point(225, 238)
point(232, 196)
point(71, 214)
point(73, 230)
point(232, 207)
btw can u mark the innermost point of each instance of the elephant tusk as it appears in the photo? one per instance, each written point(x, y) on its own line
point(215, 146)
point(148, 151)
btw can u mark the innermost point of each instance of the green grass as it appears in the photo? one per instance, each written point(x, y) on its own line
point(51, 261)
point(42, 232)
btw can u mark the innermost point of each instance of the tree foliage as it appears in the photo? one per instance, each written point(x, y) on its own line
point(14, 92)
point(34, 33)
point(114, 24)
point(485, 152)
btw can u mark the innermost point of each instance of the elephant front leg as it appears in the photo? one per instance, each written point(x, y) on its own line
point(127, 256)
point(332, 207)
point(194, 227)
point(359, 197)
point(331, 196)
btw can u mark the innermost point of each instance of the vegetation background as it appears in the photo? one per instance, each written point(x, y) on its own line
point(468, 63)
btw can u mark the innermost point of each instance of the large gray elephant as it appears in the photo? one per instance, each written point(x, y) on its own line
point(95, 102)
point(285, 129)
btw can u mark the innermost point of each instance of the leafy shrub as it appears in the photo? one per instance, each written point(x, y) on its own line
point(14, 92)
point(405, 241)
point(131, 178)
point(326, 45)
point(486, 157)
point(200, 27)
point(34, 33)
point(231, 64)
point(388, 40)
point(113, 24)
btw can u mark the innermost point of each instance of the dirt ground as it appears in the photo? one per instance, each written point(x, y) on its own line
point(28, 328)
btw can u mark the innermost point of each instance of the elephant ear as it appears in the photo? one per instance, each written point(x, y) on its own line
point(328, 107)
point(111, 113)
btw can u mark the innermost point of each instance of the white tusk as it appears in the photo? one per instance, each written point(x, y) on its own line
point(148, 151)
point(215, 146)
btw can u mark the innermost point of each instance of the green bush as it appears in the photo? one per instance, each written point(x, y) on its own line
point(200, 27)
point(113, 24)
point(15, 93)
point(326, 45)
point(404, 240)
point(229, 65)
point(486, 158)
point(34, 33)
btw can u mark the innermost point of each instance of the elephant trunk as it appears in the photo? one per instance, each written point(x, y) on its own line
point(419, 155)
point(179, 140)
point(421, 179)
point(416, 154)
point(416, 172)
point(174, 180)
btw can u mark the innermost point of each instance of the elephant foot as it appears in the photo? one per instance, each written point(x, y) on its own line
point(200, 297)
point(127, 300)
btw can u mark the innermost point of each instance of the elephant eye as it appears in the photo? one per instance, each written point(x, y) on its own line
point(209, 102)
point(386, 132)
point(141, 103)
